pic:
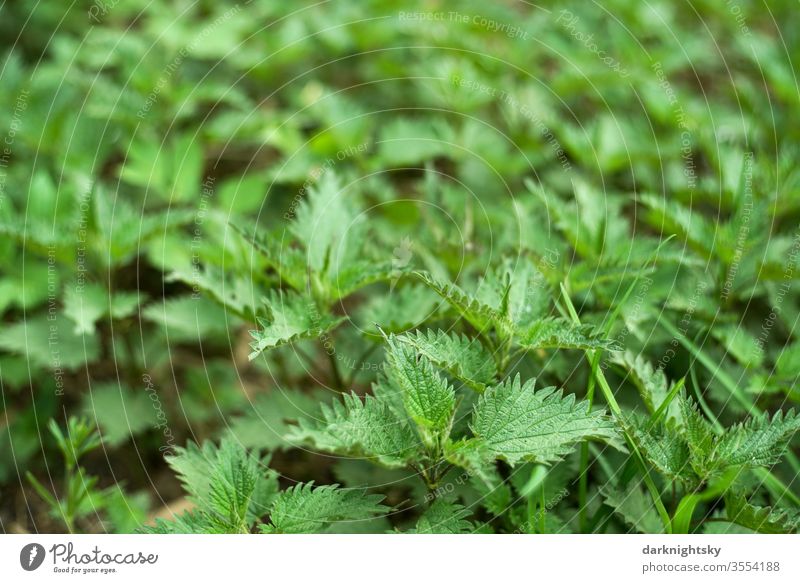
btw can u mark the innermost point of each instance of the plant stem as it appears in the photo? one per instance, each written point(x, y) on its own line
point(337, 375)
point(616, 411)
point(583, 476)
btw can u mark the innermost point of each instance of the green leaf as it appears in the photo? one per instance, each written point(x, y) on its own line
point(368, 428)
point(562, 333)
point(235, 293)
point(757, 442)
point(190, 522)
point(517, 290)
point(351, 278)
point(266, 424)
point(634, 506)
point(481, 316)
point(50, 342)
point(515, 423)
point(188, 318)
point(291, 317)
point(119, 411)
point(124, 304)
point(663, 446)
point(429, 399)
point(699, 435)
point(401, 309)
point(85, 306)
point(123, 230)
point(651, 383)
point(740, 344)
point(673, 217)
point(444, 517)
point(465, 359)
point(304, 509)
point(478, 460)
point(230, 487)
point(408, 142)
point(787, 364)
point(760, 519)
point(289, 263)
point(322, 222)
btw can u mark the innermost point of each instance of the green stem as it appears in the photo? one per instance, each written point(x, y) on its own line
point(583, 476)
point(542, 511)
point(616, 411)
point(337, 375)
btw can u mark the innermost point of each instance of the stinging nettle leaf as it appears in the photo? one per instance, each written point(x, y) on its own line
point(562, 333)
point(292, 317)
point(663, 446)
point(289, 263)
point(464, 358)
point(756, 442)
point(516, 290)
point(231, 487)
point(651, 383)
point(429, 399)
point(634, 506)
point(481, 316)
point(368, 428)
point(85, 305)
point(322, 222)
point(765, 520)
point(354, 277)
point(304, 509)
point(515, 423)
point(444, 517)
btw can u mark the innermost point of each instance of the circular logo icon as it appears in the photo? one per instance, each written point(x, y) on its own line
point(31, 556)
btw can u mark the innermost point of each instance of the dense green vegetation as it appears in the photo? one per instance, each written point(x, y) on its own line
point(398, 266)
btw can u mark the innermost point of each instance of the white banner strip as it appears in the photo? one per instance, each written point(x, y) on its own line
point(370, 558)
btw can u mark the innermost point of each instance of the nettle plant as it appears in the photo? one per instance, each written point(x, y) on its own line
point(489, 193)
point(453, 407)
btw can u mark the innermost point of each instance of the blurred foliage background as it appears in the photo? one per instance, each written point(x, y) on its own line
point(135, 134)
